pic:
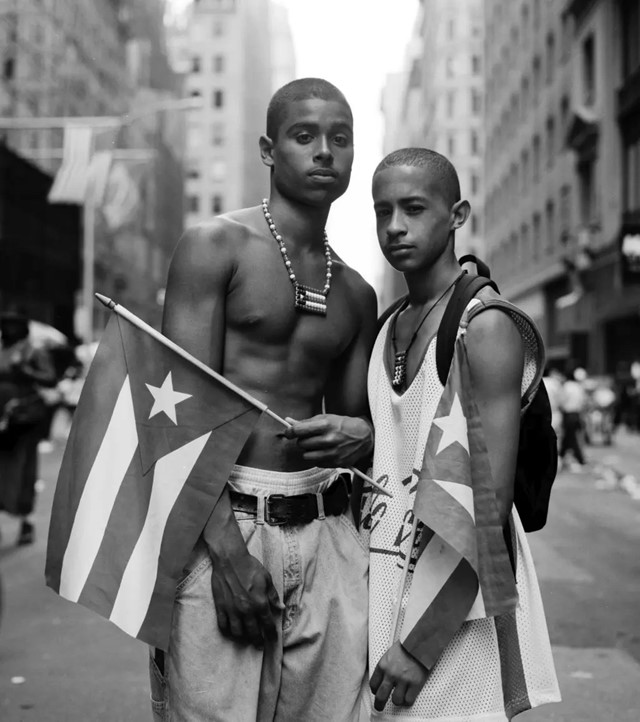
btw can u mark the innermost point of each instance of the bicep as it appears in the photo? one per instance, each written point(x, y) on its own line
point(195, 298)
point(496, 360)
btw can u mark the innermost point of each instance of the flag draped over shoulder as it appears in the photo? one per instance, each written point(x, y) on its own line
point(151, 447)
point(460, 564)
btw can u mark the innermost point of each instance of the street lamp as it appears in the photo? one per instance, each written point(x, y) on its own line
point(98, 124)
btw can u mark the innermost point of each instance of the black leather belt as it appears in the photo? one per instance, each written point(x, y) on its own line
point(280, 510)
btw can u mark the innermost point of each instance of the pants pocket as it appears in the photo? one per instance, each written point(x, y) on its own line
point(157, 685)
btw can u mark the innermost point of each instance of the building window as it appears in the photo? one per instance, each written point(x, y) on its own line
point(564, 117)
point(474, 225)
point(217, 28)
point(217, 135)
point(525, 170)
point(524, 105)
point(216, 204)
point(587, 192)
point(630, 10)
point(551, 226)
point(631, 165)
point(476, 65)
point(195, 94)
point(567, 36)
point(524, 241)
point(449, 67)
point(193, 204)
point(217, 99)
point(536, 14)
point(551, 57)
point(475, 184)
point(218, 171)
point(536, 235)
point(551, 142)
point(451, 104)
point(193, 172)
point(476, 102)
point(451, 144)
point(218, 63)
point(475, 143)
point(589, 71)
point(451, 29)
point(536, 159)
point(565, 211)
point(195, 64)
point(536, 78)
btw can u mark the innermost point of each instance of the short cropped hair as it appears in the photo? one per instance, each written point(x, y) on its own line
point(441, 168)
point(301, 89)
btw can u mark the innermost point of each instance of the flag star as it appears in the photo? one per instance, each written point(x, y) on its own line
point(454, 427)
point(165, 399)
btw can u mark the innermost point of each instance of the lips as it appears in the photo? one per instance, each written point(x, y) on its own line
point(323, 173)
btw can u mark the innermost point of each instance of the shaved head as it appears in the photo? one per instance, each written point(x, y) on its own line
point(440, 169)
point(301, 89)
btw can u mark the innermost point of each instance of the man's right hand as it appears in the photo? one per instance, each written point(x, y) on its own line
point(246, 601)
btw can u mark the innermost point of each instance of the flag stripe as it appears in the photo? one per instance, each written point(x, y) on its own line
point(460, 492)
point(442, 619)
point(136, 588)
point(514, 681)
point(121, 535)
point(98, 496)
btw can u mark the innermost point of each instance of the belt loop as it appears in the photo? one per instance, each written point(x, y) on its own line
point(260, 509)
point(320, 500)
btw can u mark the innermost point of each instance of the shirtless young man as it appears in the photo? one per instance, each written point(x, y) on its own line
point(422, 673)
point(270, 622)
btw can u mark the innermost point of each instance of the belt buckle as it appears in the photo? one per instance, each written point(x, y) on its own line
point(273, 521)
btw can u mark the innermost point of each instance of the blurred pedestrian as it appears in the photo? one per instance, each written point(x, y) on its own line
point(573, 405)
point(23, 369)
point(553, 381)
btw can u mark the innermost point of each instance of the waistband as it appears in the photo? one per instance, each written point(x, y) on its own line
point(262, 482)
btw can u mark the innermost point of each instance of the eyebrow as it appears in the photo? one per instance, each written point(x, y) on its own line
point(310, 125)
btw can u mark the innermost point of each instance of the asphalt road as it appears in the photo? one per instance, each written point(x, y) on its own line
point(61, 663)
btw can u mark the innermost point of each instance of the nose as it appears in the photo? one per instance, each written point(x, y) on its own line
point(396, 226)
point(323, 150)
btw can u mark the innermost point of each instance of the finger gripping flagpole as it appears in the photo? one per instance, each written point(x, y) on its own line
point(132, 318)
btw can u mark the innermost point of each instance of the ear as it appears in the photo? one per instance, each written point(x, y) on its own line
point(459, 213)
point(266, 150)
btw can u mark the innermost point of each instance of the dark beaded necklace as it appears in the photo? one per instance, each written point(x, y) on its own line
point(400, 357)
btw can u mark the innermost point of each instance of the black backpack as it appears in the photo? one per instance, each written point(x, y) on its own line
point(537, 460)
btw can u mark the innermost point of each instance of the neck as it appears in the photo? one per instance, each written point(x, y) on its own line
point(427, 285)
point(301, 226)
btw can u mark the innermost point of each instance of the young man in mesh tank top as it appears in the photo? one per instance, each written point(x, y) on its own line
point(455, 673)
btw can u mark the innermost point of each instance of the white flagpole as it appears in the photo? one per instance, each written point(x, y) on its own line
point(403, 580)
point(132, 318)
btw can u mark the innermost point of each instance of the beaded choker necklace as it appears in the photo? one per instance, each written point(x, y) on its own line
point(400, 357)
point(308, 299)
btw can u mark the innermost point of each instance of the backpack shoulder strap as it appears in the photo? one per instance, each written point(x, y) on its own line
point(465, 290)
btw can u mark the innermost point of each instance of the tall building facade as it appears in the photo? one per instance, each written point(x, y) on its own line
point(62, 59)
point(437, 102)
point(562, 172)
point(232, 52)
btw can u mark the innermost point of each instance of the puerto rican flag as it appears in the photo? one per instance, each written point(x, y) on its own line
point(460, 567)
point(151, 447)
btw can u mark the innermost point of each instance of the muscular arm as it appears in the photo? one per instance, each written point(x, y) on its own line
point(194, 317)
point(496, 360)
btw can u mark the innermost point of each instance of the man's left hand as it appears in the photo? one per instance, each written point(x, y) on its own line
point(330, 440)
point(399, 676)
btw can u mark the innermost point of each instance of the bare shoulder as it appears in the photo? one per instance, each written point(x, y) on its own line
point(494, 345)
point(358, 289)
point(209, 247)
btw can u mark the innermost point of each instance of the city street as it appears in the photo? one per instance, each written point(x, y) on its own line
point(60, 662)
